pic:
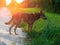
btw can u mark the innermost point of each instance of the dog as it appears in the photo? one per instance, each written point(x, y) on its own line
point(24, 17)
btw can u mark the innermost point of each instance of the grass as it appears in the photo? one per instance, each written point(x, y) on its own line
point(24, 10)
point(46, 32)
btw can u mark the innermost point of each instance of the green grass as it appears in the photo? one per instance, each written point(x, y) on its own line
point(24, 10)
point(46, 32)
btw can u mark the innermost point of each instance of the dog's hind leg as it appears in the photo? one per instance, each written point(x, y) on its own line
point(15, 29)
point(10, 28)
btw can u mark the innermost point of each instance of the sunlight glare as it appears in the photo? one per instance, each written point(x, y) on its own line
point(8, 2)
point(19, 1)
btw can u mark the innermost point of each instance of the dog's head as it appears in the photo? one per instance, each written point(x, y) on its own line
point(42, 15)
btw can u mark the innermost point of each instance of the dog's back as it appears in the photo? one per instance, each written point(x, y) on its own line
point(23, 17)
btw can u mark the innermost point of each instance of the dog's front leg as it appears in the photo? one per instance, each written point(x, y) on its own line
point(30, 27)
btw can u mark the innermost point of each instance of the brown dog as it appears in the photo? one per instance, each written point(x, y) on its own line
point(24, 17)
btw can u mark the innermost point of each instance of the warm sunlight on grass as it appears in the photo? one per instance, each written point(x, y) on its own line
point(13, 7)
point(24, 10)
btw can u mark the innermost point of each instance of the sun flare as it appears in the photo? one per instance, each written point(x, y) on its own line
point(8, 2)
point(19, 1)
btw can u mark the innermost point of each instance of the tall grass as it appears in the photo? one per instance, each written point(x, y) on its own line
point(46, 32)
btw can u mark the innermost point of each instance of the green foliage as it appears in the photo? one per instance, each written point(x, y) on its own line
point(50, 34)
point(51, 5)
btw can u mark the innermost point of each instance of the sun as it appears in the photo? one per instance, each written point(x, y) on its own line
point(9, 1)
point(19, 1)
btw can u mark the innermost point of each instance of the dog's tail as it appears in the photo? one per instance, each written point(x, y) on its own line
point(8, 23)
